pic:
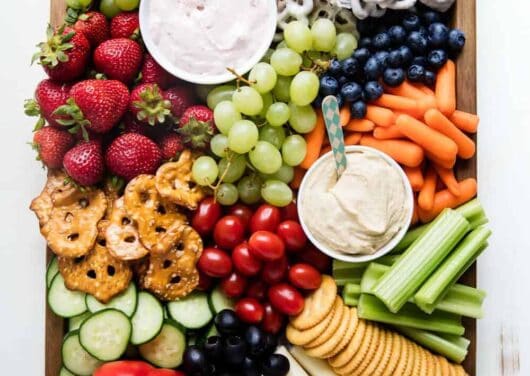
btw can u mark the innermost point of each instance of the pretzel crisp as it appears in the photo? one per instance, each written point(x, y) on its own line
point(123, 240)
point(71, 230)
point(174, 182)
point(158, 220)
point(174, 275)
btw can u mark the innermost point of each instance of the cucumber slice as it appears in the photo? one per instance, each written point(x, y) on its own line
point(51, 271)
point(125, 302)
point(75, 358)
point(65, 372)
point(192, 312)
point(193, 340)
point(105, 335)
point(219, 301)
point(64, 302)
point(148, 319)
point(167, 348)
point(212, 331)
point(74, 323)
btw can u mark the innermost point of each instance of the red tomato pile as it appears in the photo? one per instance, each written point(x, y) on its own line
point(262, 258)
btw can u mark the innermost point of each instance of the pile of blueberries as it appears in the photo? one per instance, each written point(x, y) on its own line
point(238, 350)
point(401, 45)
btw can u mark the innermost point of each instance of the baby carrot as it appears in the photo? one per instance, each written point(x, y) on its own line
point(415, 177)
point(426, 90)
point(402, 151)
point(380, 116)
point(360, 125)
point(436, 120)
point(447, 175)
point(415, 215)
point(352, 138)
point(426, 195)
point(314, 141)
point(345, 115)
point(465, 121)
point(387, 133)
point(398, 103)
point(406, 89)
point(446, 163)
point(325, 150)
point(445, 88)
point(445, 199)
point(432, 141)
point(298, 176)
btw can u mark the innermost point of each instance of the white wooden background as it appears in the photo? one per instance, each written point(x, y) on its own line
point(504, 178)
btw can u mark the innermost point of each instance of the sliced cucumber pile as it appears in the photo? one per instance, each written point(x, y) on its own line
point(148, 319)
point(219, 301)
point(51, 271)
point(125, 302)
point(63, 302)
point(75, 358)
point(65, 372)
point(192, 312)
point(75, 322)
point(167, 348)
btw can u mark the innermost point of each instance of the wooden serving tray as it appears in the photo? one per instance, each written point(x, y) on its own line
point(464, 18)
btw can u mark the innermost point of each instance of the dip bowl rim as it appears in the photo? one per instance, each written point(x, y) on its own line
point(385, 249)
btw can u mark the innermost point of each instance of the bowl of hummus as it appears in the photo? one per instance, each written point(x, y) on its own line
point(197, 40)
point(363, 214)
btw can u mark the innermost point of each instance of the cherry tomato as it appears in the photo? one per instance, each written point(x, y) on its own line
point(314, 257)
point(165, 372)
point(266, 246)
point(215, 263)
point(205, 282)
point(266, 218)
point(229, 231)
point(243, 212)
point(305, 276)
point(234, 285)
point(272, 319)
point(249, 310)
point(206, 216)
point(292, 235)
point(290, 212)
point(275, 271)
point(257, 289)
point(244, 262)
point(286, 299)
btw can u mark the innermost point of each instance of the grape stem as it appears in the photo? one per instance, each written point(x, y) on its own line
point(240, 78)
point(215, 187)
point(319, 66)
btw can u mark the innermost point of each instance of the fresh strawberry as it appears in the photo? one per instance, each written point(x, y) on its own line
point(49, 96)
point(132, 154)
point(65, 54)
point(94, 26)
point(132, 125)
point(95, 105)
point(125, 25)
point(171, 146)
point(152, 72)
point(181, 98)
point(51, 145)
point(119, 59)
point(197, 126)
point(148, 105)
point(84, 163)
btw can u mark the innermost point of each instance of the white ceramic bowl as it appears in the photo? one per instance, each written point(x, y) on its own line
point(260, 50)
point(381, 251)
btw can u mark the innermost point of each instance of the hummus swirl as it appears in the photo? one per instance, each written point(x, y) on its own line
point(361, 211)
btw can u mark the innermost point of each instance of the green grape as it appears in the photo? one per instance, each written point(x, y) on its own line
point(219, 145)
point(267, 102)
point(285, 174)
point(109, 8)
point(226, 194)
point(78, 4)
point(345, 45)
point(282, 44)
point(272, 135)
point(128, 5)
point(225, 115)
point(286, 62)
point(202, 91)
point(264, 76)
point(205, 171)
point(267, 57)
point(277, 193)
point(304, 88)
point(265, 157)
point(324, 35)
point(243, 136)
point(303, 118)
point(247, 101)
point(298, 36)
point(281, 90)
point(232, 169)
point(294, 150)
point(278, 114)
point(219, 94)
point(249, 188)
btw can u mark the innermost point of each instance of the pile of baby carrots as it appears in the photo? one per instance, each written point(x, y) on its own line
point(419, 128)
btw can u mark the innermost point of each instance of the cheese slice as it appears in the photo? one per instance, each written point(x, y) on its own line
point(294, 367)
point(313, 366)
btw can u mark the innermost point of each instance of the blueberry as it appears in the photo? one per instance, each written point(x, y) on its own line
point(372, 69)
point(423, 31)
point(340, 100)
point(226, 322)
point(419, 60)
point(382, 58)
point(342, 80)
point(276, 365)
point(366, 26)
point(195, 362)
point(417, 42)
point(213, 348)
point(365, 42)
point(351, 91)
point(437, 58)
point(393, 76)
point(234, 350)
point(406, 54)
point(438, 34)
point(411, 22)
point(256, 341)
point(362, 54)
point(457, 40)
point(349, 67)
point(328, 85)
point(430, 17)
point(358, 110)
point(397, 34)
point(395, 60)
point(381, 41)
point(429, 78)
point(415, 73)
point(373, 90)
point(335, 69)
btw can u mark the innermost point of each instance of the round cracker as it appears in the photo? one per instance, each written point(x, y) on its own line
point(459, 370)
point(404, 360)
point(365, 353)
point(321, 350)
point(429, 363)
point(317, 305)
point(445, 366)
point(416, 359)
point(381, 356)
point(348, 335)
point(437, 365)
point(347, 353)
point(395, 353)
point(331, 330)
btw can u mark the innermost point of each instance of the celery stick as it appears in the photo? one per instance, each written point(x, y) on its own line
point(351, 294)
point(346, 281)
point(343, 265)
point(373, 273)
point(452, 268)
point(409, 238)
point(454, 349)
point(406, 276)
point(388, 260)
point(371, 308)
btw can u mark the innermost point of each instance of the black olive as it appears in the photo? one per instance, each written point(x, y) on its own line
point(226, 322)
point(195, 362)
point(256, 341)
point(275, 365)
point(234, 350)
